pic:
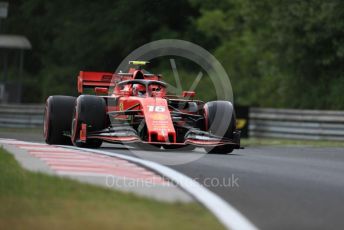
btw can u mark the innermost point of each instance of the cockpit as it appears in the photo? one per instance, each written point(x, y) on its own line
point(141, 88)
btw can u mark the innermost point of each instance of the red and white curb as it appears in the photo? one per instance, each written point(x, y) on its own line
point(224, 212)
point(73, 160)
point(101, 170)
point(69, 161)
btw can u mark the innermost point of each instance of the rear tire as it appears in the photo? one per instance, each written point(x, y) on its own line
point(58, 115)
point(220, 120)
point(90, 110)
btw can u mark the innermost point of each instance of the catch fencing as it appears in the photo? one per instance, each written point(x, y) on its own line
point(296, 124)
point(21, 115)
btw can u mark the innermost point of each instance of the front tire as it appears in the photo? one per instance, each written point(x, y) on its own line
point(90, 110)
point(220, 120)
point(58, 115)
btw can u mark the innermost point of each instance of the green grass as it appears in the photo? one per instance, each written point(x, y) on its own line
point(290, 142)
point(36, 201)
point(20, 130)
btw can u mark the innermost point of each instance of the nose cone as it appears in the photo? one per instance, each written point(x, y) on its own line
point(158, 120)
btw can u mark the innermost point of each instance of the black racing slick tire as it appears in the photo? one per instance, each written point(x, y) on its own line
point(58, 115)
point(90, 110)
point(220, 120)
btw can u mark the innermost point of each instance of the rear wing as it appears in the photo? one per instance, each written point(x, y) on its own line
point(94, 79)
point(88, 80)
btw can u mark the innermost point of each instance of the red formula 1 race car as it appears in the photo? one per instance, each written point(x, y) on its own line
point(134, 107)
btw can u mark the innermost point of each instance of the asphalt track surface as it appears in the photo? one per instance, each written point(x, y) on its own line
point(277, 188)
point(274, 187)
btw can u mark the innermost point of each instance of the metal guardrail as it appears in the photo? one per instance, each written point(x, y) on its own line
point(263, 122)
point(21, 116)
point(296, 124)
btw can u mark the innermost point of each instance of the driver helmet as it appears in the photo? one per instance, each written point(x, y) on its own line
point(139, 90)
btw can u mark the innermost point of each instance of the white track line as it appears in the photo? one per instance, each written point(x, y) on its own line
point(225, 213)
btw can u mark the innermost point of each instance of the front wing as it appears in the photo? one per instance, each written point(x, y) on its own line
point(195, 137)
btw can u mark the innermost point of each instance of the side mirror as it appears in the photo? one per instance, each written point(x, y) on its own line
point(189, 94)
point(101, 90)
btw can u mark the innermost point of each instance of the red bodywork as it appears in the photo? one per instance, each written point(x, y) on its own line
point(162, 122)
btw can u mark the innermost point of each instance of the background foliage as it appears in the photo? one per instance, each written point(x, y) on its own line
point(278, 53)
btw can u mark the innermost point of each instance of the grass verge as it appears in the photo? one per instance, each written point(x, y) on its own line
point(38, 201)
point(19, 130)
point(290, 142)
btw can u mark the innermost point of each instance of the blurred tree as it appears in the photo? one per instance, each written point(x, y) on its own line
point(280, 53)
point(69, 36)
